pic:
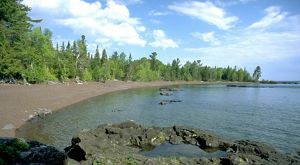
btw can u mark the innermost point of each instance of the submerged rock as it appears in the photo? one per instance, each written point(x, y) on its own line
point(125, 143)
point(164, 102)
point(168, 89)
point(39, 113)
point(8, 126)
point(164, 93)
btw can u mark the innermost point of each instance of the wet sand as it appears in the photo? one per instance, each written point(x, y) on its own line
point(18, 102)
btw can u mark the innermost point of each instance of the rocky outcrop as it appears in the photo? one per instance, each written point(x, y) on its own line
point(164, 102)
point(164, 93)
point(22, 152)
point(124, 144)
point(39, 113)
point(165, 89)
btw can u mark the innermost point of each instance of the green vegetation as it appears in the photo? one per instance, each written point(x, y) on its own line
point(27, 53)
point(257, 74)
point(130, 161)
point(10, 152)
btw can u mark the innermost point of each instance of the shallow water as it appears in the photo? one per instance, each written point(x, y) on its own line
point(270, 114)
point(186, 150)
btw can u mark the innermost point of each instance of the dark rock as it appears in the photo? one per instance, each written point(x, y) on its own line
point(30, 152)
point(165, 93)
point(123, 144)
point(75, 152)
point(168, 89)
point(43, 155)
point(259, 152)
point(116, 110)
point(75, 141)
point(164, 102)
point(112, 130)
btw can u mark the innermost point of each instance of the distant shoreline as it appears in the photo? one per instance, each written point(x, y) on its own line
point(18, 102)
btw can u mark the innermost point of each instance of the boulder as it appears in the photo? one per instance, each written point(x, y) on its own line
point(22, 152)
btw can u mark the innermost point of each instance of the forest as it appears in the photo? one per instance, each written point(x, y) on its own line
point(28, 53)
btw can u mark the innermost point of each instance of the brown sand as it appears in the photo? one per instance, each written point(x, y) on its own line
point(18, 102)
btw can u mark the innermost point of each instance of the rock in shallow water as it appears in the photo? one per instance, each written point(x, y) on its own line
point(123, 143)
point(8, 126)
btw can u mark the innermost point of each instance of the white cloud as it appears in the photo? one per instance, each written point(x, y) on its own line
point(205, 11)
point(130, 2)
point(229, 3)
point(250, 47)
point(207, 37)
point(47, 5)
point(157, 13)
point(246, 47)
point(162, 41)
point(273, 15)
point(112, 22)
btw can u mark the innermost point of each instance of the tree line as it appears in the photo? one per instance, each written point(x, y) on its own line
point(28, 53)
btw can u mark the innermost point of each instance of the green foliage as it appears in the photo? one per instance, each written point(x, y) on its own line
point(268, 82)
point(257, 74)
point(9, 152)
point(14, 25)
point(144, 72)
point(86, 76)
point(130, 161)
point(29, 53)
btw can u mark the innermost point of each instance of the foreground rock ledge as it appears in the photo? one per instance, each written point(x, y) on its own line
point(21, 152)
point(123, 143)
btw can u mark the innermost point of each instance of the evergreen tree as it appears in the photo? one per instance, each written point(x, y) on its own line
point(29, 53)
point(257, 73)
point(175, 71)
point(96, 65)
point(153, 61)
point(104, 56)
point(14, 27)
point(129, 68)
point(83, 59)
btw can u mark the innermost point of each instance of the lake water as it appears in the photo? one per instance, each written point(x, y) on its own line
point(270, 114)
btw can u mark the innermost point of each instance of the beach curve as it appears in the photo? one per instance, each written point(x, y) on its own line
point(18, 102)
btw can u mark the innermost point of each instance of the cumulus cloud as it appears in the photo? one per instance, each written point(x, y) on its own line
point(250, 46)
point(112, 22)
point(205, 11)
point(207, 37)
point(274, 15)
point(162, 41)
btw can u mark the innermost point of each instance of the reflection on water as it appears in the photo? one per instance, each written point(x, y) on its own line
point(270, 115)
point(185, 150)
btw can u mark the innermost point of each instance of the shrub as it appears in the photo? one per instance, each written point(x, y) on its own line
point(10, 151)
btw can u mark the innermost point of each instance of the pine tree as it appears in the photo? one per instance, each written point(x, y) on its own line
point(257, 73)
point(14, 26)
point(104, 56)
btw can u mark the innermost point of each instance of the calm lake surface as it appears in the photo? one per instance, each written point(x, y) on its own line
point(270, 114)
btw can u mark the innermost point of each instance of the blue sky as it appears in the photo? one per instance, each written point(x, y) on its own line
point(242, 33)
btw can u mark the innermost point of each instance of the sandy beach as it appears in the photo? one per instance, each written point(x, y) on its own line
point(18, 102)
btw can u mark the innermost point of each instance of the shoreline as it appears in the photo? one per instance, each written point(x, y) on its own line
point(18, 102)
